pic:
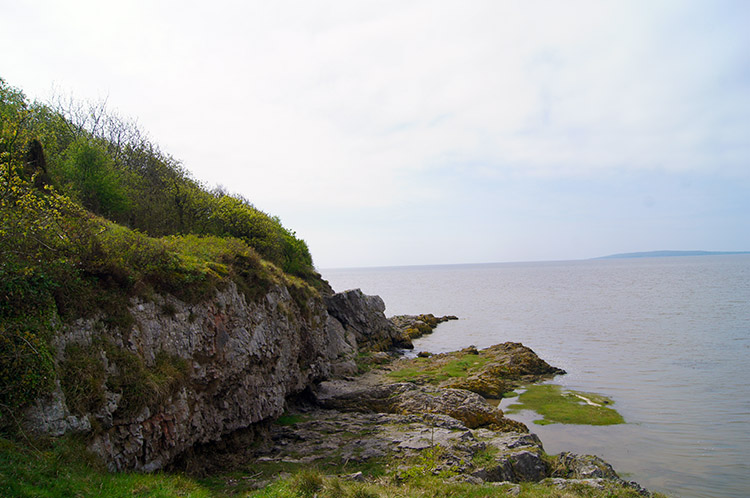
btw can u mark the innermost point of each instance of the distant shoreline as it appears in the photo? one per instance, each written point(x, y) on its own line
point(664, 254)
point(648, 254)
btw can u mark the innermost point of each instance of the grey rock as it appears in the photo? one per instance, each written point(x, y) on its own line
point(560, 483)
point(49, 415)
point(528, 466)
point(356, 477)
point(363, 316)
point(468, 408)
point(500, 472)
point(572, 466)
point(245, 359)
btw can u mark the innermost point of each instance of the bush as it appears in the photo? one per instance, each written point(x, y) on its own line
point(93, 177)
point(26, 367)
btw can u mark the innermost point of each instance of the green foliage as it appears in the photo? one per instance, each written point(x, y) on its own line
point(465, 364)
point(109, 165)
point(26, 368)
point(216, 258)
point(83, 378)
point(485, 457)
point(405, 374)
point(566, 407)
point(93, 177)
point(32, 256)
point(290, 419)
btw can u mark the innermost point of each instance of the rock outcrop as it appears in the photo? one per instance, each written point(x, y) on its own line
point(505, 366)
point(489, 372)
point(185, 374)
point(405, 398)
point(414, 326)
point(362, 317)
point(456, 452)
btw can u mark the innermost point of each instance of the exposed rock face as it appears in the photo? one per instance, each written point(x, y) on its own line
point(242, 360)
point(362, 317)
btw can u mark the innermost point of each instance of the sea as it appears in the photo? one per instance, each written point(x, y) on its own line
point(667, 338)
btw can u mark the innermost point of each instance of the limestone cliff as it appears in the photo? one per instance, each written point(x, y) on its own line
point(185, 374)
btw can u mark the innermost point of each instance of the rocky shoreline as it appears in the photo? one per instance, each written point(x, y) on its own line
point(426, 427)
point(269, 388)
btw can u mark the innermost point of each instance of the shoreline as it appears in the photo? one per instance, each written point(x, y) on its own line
point(374, 427)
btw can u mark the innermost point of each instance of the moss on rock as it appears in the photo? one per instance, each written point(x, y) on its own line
point(488, 372)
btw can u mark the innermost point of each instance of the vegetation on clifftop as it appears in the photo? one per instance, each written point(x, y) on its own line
point(92, 213)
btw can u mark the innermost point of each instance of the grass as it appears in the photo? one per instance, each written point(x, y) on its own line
point(433, 371)
point(424, 487)
point(485, 457)
point(63, 468)
point(566, 407)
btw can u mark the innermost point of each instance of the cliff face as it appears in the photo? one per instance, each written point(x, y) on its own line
point(188, 374)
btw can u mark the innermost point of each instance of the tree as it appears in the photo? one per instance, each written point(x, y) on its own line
point(94, 180)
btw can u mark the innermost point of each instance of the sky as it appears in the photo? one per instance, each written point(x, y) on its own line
point(428, 132)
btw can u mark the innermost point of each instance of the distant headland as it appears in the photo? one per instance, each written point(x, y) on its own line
point(663, 254)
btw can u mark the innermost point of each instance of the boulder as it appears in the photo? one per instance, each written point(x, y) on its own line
point(571, 466)
point(362, 317)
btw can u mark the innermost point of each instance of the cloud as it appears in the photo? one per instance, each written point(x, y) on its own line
point(387, 106)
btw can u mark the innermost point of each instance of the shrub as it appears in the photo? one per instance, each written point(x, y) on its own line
point(26, 367)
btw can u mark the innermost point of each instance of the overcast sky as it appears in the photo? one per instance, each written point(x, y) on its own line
point(427, 132)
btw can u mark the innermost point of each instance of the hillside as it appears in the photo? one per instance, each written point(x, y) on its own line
point(93, 214)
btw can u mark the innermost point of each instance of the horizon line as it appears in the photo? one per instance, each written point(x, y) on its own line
point(626, 255)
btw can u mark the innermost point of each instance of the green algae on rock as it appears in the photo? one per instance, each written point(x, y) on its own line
point(489, 372)
point(557, 405)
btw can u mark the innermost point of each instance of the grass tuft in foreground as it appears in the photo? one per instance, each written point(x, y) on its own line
point(566, 407)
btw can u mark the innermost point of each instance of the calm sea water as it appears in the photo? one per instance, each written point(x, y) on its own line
point(667, 338)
